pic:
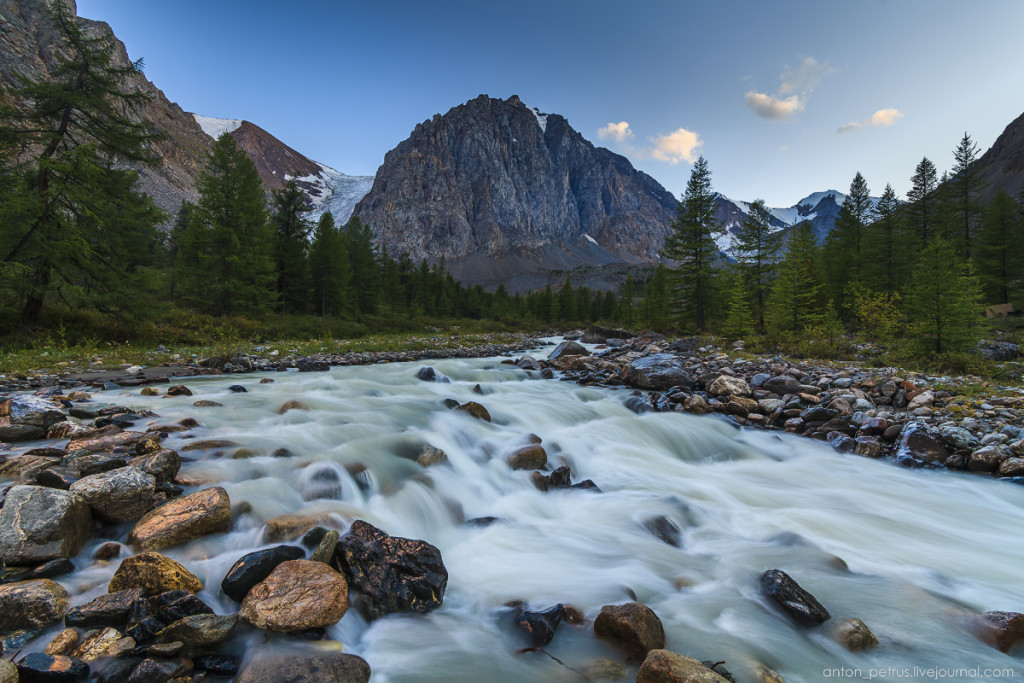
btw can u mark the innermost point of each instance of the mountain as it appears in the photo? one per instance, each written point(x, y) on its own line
point(1002, 166)
point(505, 193)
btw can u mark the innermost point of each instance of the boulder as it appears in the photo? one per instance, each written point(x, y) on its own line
point(634, 627)
point(297, 596)
point(104, 642)
point(198, 633)
point(528, 363)
point(1001, 630)
point(163, 465)
point(111, 609)
point(920, 445)
point(476, 410)
point(662, 666)
point(106, 443)
point(427, 374)
point(120, 495)
point(183, 519)
point(540, 626)
point(38, 524)
point(13, 433)
point(154, 574)
point(854, 635)
point(568, 348)
point(987, 458)
point(782, 384)
point(309, 666)
point(179, 390)
point(41, 668)
point(31, 604)
point(659, 372)
point(596, 334)
point(253, 567)
point(725, 385)
point(531, 457)
point(62, 644)
point(391, 574)
point(34, 411)
point(786, 594)
point(1012, 467)
point(958, 438)
point(8, 671)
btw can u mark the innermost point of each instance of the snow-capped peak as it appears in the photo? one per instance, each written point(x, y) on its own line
point(542, 119)
point(815, 197)
point(216, 127)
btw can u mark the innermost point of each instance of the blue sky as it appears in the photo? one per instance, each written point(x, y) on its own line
point(761, 89)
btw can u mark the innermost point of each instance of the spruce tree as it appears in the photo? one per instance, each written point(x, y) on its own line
point(739, 321)
point(966, 183)
point(885, 259)
point(691, 246)
point(797, 297)
point(73, 218)
point(627, 308)
point(656, 303)
point(942, 300)
point(1001, 249)
point(330, 270)
point(291, 242)
point(567, 301)
point(366, 270)
point(756, 247)
point(844, 246)
point(920, 200)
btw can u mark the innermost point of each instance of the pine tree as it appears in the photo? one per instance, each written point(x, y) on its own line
point(1001, 249)
point(942, 300)
point(884, 260)
point(291, 240)
point(920, 200)
point(797, 300)
point(366, 270)
point(330, 269)
point(844, 257)
point(691, 245)
point(966, 183)
point(225, 264)
point(756, 247)
point(73, 219)
point(739, 321)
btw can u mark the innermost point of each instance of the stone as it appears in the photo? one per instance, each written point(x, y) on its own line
point(38, 524)
point(63, 643)
point(163, 465)
point(568, 348)
point(291, 405)
point(540, 626)
point(291, 526)
point(8, 672)
point(922, 400)
point(724, 385)
point(31, 604)
point(531, 457)
point(659, 372)
point(920, 445)
point(154, 574)
point(217, 665)
point(782, 384)
point(428, 374)
point(254, 567)
point(1012, 467)
point(696, 404)
point(476, 410)
point(208, 445)
point(603, 670)
point(528, 363)
point(1001, 630)
point(15, 433)
point(664, 529)
point(40, 668)
point(153, 671)
point(105, 642)
point(632, 626)
point(106, 443)
point(662, 666)
point(987, 459)
point(297, 596)
point(111, 609)
point(390, 574)
point(183, 519)
point(207, 403)
point(786, 594)
point(854, 635)
point(741, 406)
point(308, 666)
point(34, 411)
point(179, 390)
point(430, 456)
point(198, 633)
point(120, 495)
point(25, 466)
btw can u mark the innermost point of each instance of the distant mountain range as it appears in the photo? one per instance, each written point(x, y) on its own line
point(503, 192)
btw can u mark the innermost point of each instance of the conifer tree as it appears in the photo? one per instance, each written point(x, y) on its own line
point(627, 307)
point(844, 256)
point(1001, 249)
point(739, 321)
point(291, 240)
point(756, 248)
point(797, 300)
point(885, 261)
point(691, 246)
point(330, 270)
point(966, 183)
point(567, 300)
point(920, 200)
point(942, 301)
point(73, 216)
point(656, 303)
point(366, 269)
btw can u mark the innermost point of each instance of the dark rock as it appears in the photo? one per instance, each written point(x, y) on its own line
point(663, 666)
point(253, 567)
point(308, 666)
point(528, 363)
point(841, 442)
point(786, 594)
point(540, 626)
point(14, 641)
point(107, 551)
point(38, 524)
point(530, 457)
point(427, 374)
point(568, 348)
point(179, 390)
point(782, 384)
point(106, 610)
point(40, 668)
point(659, 372)
point(391, 574)
point(664, 529)
point(217, 665)
point(632, 626)
point(476, 410)
point(15, 433)
point(51, 570)
point(153, 671)
point(482, 521)
point(58, 477)
point(31, 604)
point(600, 335)
point(854, 635)
point(1002, 630)
point(920, 445)
point(199, 633)
point(237, 389)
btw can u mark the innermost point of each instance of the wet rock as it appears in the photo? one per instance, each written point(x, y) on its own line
point(782, 385)
point(663, 666)
point(297, 596)
point(540, 626)
point(920, 445)
point(207, 403)
point(324, 551)
point(292, 526)
point(58, 477)
point(697, 405)
point(987, 459)
point(476, 410)
point(106, 443)
point(107, 610)
point(568, 348)
point(854, 635)
point(309, 666)
point(430, 456)
point(254, 567)
point(868, 446)
point(427, 374)
point(530, 457)
point(741, 406)
point(120, 495)
point(1012, 467)
point(198, 633)
point(664, 529)
point(182, 520)
point(659, 371)
point(163, 465)
point(38, 524)
point(179, 390)
point(291, 405)
point(786, 594)
point(105, 642)
point(153, 671)
point(1001, 630)
point(8, 672)
point(63, 643)
point(841, 442)
point(634, 627)
point(16, 433)
point(724, 385)
point(107, 551)
point(154, 574)
point(208, 445)
point(40, 668)
point(528, 363)
point(603, 670)
point(391, 574)
point(323, 480)
point(217, 665)
point(34, 411)
point(31, 604)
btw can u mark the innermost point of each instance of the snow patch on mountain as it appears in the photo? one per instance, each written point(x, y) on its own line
point(336, 192)
point(542, 119)
point(216, 127)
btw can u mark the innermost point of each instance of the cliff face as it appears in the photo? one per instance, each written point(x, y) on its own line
point(1002, 166)
point(500, 190)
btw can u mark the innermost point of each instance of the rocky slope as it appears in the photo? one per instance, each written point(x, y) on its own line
point(500, 190)
point(1002, 166)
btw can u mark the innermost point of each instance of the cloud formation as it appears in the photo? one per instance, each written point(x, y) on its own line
point(619, 132)
point(679, 145)
point(797, 85)
point(881, 118)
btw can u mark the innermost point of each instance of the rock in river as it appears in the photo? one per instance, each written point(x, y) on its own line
point(662, 666)
point(309, 666)
point(297, 596)
point(253, 567)
point(780, 588)
point(183, 519)
point(41, 668)
point(632, 626)
point(120, 495)
point(659, 371)
point(154, 574)
point(38, 524)
point(31, 604)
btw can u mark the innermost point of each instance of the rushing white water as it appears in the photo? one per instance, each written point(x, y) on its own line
point(921, 546)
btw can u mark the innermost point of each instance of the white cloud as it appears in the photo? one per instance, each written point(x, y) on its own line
point(679, 145)
point(619, 132)
point(797, 85)
point(881, 118)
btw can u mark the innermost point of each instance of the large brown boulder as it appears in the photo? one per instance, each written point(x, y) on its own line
point(164, 464)
point(391, 574)
point(154, 574)
point(120, 495)
point(634, 627)
point(662, 666)
point(531, 457)
point(31, 604)
point(297, 596)
point(38, 524)
point(183, 519)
